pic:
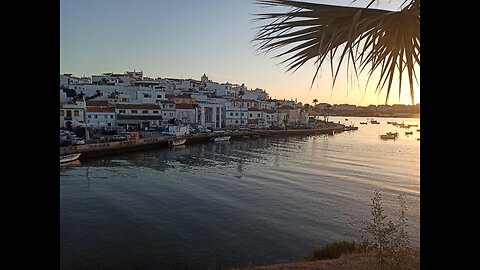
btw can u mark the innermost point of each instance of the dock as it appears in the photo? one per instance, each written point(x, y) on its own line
point(98, 149)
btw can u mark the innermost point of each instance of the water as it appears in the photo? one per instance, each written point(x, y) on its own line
point(237, 203)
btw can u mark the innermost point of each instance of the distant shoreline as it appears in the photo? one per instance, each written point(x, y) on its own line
point(395, 115)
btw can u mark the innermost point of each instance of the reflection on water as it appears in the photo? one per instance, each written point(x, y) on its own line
point(249, 201)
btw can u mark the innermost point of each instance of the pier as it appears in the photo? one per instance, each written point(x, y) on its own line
point(97, 149)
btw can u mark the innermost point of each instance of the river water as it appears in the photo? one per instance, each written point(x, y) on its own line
point(238, 203)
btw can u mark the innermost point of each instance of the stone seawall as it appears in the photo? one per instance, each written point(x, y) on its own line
point(97, 149)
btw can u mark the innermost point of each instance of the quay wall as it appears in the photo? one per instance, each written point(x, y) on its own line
point(97, 149)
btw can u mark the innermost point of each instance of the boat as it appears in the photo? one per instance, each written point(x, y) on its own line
point(363, 123)
point(388, 137)
point(391, 123)
point(346, 119)
point(408, 132)
point(418, 130)
point(374, 122)
point(351, 127)
point(221, 139)
point(69, 158)
point(177, 142)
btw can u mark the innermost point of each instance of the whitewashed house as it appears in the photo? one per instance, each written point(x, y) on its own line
point(101, 117)
point(72, 114)
point(138, 116)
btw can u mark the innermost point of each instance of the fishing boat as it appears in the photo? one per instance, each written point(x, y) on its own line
point(374, 122)
point(363, 123)
point(408, 132)
point(221, 139)
point(351, 127)
point(389, 136)
point(69, 158)
point(177, 142)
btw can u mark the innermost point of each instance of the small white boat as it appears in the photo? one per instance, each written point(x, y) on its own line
point(69, 158)
point(177, 142)
point(221, 139)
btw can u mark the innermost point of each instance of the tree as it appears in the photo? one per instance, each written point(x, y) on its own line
point(372, 39)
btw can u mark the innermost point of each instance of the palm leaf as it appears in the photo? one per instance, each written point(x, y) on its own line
point(371, 39)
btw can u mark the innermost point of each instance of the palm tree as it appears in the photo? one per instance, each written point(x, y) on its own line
point(371, 39)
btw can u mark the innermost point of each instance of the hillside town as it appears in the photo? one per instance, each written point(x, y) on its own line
point(131, 101)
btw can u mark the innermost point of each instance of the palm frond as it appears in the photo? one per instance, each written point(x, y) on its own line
point(372, 39)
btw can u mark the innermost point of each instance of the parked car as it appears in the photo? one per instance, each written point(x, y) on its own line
point(118, 138)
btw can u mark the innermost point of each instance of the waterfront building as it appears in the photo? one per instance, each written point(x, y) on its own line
point(168, 110)
point(256, 118)
point(185, 113)
point(210, 114)
point(138, 116)
point(72, 114)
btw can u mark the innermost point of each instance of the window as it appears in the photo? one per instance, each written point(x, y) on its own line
point(147, 95)
point(236, 114)
point(109, 124)
point(105, 116)
point(111, 116)
point(62, 113)
point(95, 116)
point(163, 106)
point(69, 113)
point(251, 115)
point(76, 113)
point(121, 111)
point(231, 114)
point(159, 96)
point(155, 111)
point(134, 111)
point(171, 114)
point(236, 121)
point(258, 115)
point(89, 116)
point(248, 104)
point(145, 111)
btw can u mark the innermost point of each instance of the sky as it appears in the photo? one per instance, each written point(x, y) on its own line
point(187, 38)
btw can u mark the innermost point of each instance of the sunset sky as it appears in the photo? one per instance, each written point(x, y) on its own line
point(187, 38)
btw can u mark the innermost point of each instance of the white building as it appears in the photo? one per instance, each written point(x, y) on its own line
point(235, 116)
point(185, 113)
point(257, 94)
point(210, 115)
point(270, 117)
point(138, 116)
point(168, 109)
point(101, 117)
point(256, 118)
point(72, 115)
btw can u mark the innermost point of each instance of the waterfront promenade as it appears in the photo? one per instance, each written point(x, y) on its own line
point(97, 149)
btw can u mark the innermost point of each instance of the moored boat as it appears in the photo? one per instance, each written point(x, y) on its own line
point(388, 137)
point(374, 122)
point(221, 139)
point(351, 127)
point(69, 158)
point(177, 142)
point(408, 132)
point(363, 123)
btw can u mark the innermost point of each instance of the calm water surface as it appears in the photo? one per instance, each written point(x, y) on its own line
point(220, 205)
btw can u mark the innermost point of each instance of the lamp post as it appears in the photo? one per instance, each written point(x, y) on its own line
point(87, 135)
